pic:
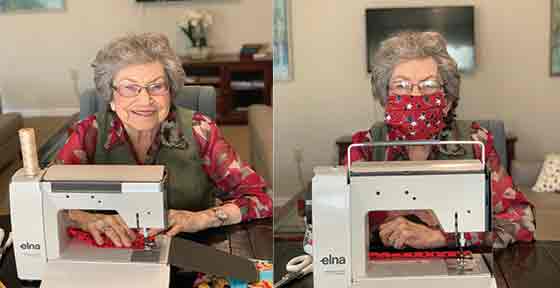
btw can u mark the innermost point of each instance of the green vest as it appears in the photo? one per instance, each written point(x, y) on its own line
point(461, 130)
point(188, 186)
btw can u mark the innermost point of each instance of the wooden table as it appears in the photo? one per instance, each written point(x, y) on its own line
point(251, 240)
point(524, 265)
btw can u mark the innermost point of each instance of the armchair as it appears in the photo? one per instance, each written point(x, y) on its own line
point(260, 137)
point(199, 98)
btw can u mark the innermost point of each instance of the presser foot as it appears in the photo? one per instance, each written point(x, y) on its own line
point(150, 244)
point(464, 262)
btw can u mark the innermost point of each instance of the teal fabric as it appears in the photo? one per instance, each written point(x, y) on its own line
point(263, 275)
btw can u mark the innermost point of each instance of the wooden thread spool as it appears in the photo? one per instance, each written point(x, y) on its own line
point(29, 152)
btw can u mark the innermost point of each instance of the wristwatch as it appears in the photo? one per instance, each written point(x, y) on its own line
point(221, 215)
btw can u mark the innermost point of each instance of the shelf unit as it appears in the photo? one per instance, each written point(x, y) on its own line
point(239, 82)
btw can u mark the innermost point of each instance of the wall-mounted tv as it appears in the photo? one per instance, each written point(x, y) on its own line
point(455, 23)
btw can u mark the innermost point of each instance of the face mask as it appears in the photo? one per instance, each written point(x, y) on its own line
point(415, 117)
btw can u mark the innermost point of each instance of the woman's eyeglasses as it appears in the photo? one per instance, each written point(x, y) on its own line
point(132, 89)
point(403, 87)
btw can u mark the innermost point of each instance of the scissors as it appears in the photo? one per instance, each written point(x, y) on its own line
point(7, 244)
point(297, 267)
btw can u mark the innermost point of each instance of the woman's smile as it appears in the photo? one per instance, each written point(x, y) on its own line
point(145, 112)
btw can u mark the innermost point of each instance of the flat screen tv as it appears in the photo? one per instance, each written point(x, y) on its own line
point(456, 24)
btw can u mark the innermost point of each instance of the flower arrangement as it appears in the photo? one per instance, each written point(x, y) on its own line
point(195, 25)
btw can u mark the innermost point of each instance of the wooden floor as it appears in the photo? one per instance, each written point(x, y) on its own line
point(237, 136)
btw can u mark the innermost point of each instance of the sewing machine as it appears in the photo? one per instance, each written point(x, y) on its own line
point(44, 251)
point(456, 191)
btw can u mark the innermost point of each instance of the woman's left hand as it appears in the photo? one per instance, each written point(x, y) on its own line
point(184, 221)
point(399, 232)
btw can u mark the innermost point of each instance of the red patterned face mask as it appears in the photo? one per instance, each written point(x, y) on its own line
point(415, 117)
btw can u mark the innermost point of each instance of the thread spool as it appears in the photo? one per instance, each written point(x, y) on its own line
point(29, 152)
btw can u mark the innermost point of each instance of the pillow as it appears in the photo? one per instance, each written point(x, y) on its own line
point(549, 177)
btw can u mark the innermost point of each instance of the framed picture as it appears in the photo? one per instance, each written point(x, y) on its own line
point(281, 41)
point(30, 5)
point(555, 38)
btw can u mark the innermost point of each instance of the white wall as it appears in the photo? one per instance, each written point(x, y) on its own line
point(330, 94)
point(39, 50)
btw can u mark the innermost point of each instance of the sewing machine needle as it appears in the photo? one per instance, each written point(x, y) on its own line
point(147, 243)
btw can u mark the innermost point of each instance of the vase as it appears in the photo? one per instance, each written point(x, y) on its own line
point(198, 53)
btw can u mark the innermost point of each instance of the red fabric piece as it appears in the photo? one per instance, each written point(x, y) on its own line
point(415, 255)
point(84, 236)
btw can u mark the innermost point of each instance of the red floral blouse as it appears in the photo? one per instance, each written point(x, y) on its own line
point(242, 186)
point(513, 213)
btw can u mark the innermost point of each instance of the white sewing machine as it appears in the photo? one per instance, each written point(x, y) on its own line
point(44, 251)
point(456, 191)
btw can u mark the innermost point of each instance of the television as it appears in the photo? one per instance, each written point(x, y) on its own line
point(455, 23)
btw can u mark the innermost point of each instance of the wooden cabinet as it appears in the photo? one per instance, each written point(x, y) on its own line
point(239, 82)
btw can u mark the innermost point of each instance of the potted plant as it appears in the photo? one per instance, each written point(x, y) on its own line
point(195, 25)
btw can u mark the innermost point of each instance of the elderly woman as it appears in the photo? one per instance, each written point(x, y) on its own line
point(417, 82)
point(140, 75)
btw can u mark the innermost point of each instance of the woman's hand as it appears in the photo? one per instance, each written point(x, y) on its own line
point(184, 221)
point(191, 222)
point(399, 232)
point(98, 224)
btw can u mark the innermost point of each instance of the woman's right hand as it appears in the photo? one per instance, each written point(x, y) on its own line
point(98, 224)
point(400, 232)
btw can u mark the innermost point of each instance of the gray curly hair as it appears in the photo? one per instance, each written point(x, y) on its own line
point(410, 45)
point(136, 49)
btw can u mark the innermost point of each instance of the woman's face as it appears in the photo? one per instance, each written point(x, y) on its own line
point(416, 77)
point(141, 96)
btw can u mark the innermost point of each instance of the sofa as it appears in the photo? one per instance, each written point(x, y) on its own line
point(547, 204)
point(524, 175)
point(260, 140)
point(10, 123)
